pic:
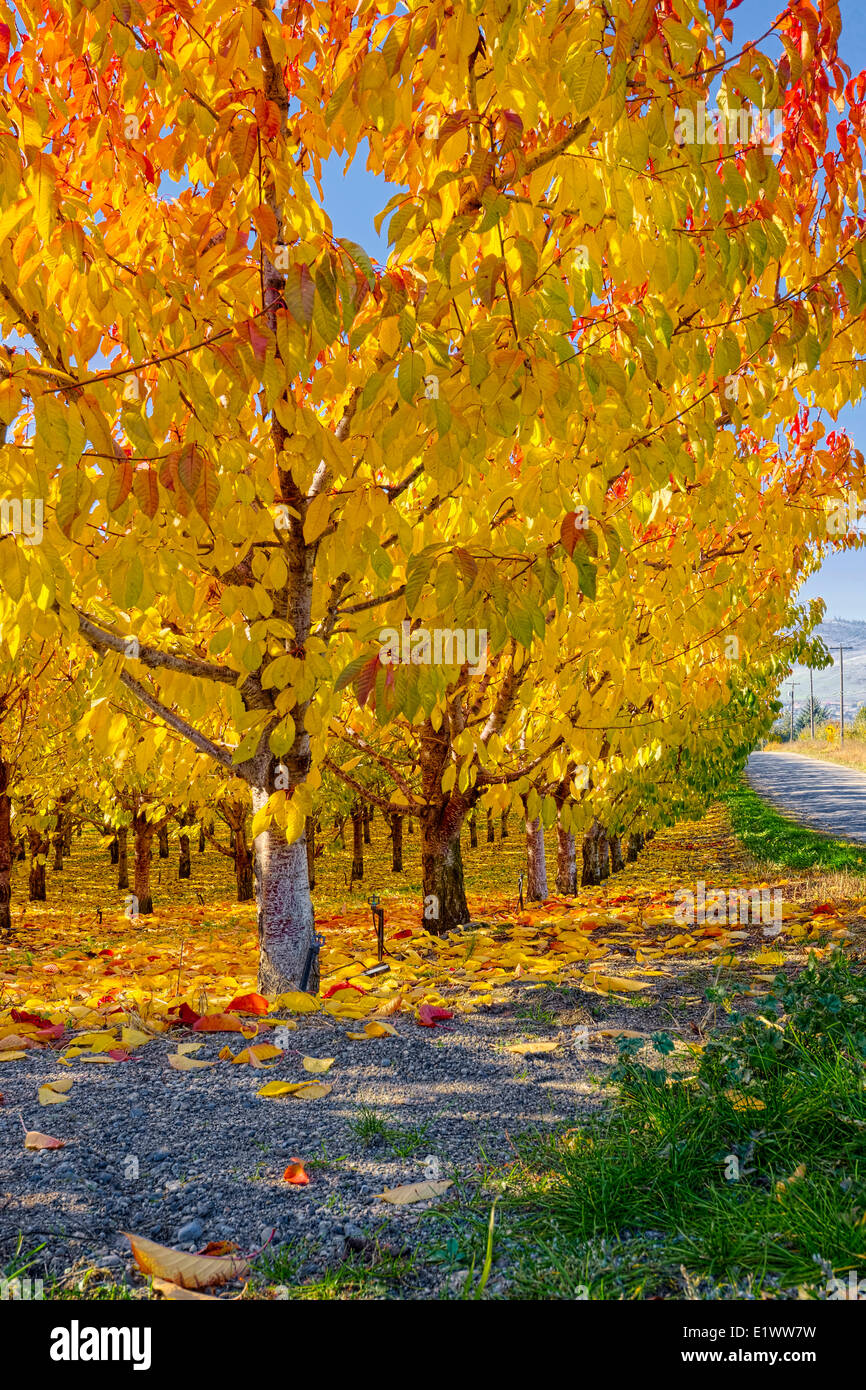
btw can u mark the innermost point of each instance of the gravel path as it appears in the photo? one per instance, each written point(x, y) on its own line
point(824, 796)
point(190, 1157)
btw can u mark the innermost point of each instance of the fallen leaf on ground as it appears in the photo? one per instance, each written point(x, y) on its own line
point(12, 1056)
point(374, 1030)
point(248, 1004)
point(180, 1062)
point(34, 1140)
point(255, 1056)
point(189, 1271)
point(414, 1192)
point(741, 1102)
point(611, 984)
point(296, 1174)
point(304, 1090)
point(317, 1065)
point(217, 1023)
point(185, 1049)
point(54, 1092)
point(430, 1014)
point(177, 1292)
point(538, 1045)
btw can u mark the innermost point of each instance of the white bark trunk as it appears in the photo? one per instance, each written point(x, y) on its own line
point(285, 910)
point(536, 881)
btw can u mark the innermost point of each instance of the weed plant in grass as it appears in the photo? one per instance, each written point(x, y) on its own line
point(745, 1177)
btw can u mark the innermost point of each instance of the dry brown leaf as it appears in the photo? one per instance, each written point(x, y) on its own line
point(34, 1140)
point(178, 1292)
point(189, 1271)
point(414, 1192)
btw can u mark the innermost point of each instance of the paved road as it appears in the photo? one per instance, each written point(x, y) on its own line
point(824, 796)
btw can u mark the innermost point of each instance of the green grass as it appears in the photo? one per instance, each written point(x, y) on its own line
point(745, 1177)
point(403, 1140)
point(772, 839)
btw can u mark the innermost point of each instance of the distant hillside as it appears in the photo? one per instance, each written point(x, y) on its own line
point(851, 633)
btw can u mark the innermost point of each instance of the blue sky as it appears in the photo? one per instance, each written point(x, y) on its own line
point(353, 200)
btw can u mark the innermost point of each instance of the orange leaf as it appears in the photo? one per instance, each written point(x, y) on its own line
point(295, 1173)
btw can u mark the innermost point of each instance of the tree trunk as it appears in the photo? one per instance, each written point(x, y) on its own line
point(310, 830)
point(39, 846)
point(410, 826)
point(21, 849)
point(201, 839)
point(366, 825)
point(503, 826)
point(184, 865)
point(616, 860)
point(113, 850)
point(491, 828)
point(142, 834)
point(58, 840)
point(243, 870)
point(566, 863)
point(536, 878)
point(285, 909)
point(442, 871)
point(635, 845)
point(123, 858)
point(473, 832)
point(5, 851)
point(396, 843)
point(596, 856)
point(162, 837)
point(357, 844)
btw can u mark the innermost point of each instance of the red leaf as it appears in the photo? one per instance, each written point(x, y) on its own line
point(146, 490)
point(120, 1055)
point(401, 935)
point(259, 342)
point(22, 1016)
point(365, 681)
point(189, 467)
point(295, 1173)
point(572, 530)
point(248, 1004)
point(267, 117)
point(5, 40)
point(119, 484)
point(344, 984)
point(51, 1033)
point(430, 1014)
point(185, 1014)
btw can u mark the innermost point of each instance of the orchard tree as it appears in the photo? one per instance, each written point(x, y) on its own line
point(255, 447)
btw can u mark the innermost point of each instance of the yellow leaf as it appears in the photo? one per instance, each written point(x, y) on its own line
point(180, 1062)
point(54, 1092)
point(609, 984)
point(34, 1140)
point(297, 1003)
point(317, 1064)
point(189, 1271)
point(304, 1090)
point(528, 1048)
